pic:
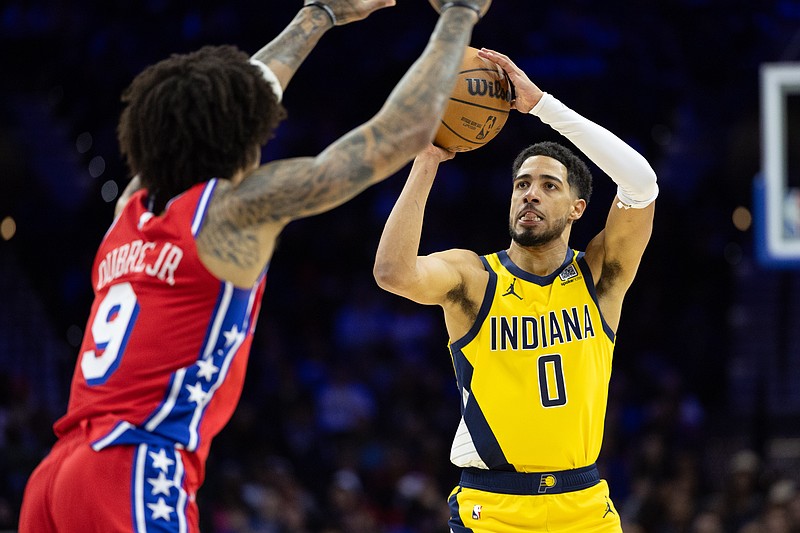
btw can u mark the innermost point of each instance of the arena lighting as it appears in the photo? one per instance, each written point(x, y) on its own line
point(109, 191)
point(742, 219)
point(8, 228)
point(83, 143)
point(97, 166)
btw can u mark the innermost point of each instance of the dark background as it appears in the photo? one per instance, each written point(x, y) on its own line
point(350, 403)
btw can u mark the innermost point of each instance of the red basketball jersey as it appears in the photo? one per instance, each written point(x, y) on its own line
point(165, 350)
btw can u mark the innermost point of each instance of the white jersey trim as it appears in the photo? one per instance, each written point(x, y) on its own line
point(463, 452)
point(202, 207)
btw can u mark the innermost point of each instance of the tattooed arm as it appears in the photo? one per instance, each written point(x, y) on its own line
point(284, 54)
point(246, 219)
point(285, 190)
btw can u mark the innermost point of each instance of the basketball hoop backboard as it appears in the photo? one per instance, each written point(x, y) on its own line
point(777, 188)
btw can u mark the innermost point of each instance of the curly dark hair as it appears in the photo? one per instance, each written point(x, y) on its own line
point(196, 116)
point(579, 176)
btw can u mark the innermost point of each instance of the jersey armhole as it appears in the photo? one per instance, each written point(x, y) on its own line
point(589, 282)
point(483, 312)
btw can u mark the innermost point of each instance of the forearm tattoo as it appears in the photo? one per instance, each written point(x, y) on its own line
point(421, 96)
point(289, 189)
point(296, 41)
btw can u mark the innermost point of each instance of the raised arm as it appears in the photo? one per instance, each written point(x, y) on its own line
point(244, 220)
point(398, 268)
point(286, 52)
point(281, 191)
point(453, 279)
point(615, 253)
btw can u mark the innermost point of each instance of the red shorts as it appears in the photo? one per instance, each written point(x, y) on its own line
point(120, 489)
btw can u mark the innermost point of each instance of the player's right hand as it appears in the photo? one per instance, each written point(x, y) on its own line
point(347, 11)
point(526, 93)
point(481, 6)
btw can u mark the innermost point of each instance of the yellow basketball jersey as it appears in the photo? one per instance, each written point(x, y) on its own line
point(533, 371)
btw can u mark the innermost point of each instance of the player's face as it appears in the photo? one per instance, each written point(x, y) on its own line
point(541, 204)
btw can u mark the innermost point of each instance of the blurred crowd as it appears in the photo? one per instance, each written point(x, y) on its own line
point(350, 403)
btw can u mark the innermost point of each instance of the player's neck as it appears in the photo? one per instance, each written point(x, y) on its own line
point(539, 260)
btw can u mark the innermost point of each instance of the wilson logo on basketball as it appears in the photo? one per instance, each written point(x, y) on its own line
point(492, 89)
point(478, 106)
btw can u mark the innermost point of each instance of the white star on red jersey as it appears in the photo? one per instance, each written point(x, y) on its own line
point(207, 369)
point(196, 393)
point(160, 509)
point(160, 460)
point(233, 335)
point(161, 485)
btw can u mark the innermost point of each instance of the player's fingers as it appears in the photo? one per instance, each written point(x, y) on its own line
point(379, 4)
point(494, 54)
point(501, 59)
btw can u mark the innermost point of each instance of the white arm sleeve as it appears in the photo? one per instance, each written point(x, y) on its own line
point(635, 178)
point(269, 76)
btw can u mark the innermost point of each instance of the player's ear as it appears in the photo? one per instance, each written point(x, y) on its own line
point(578, 207)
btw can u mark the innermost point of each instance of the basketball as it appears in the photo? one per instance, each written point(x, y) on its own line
point(478, 106)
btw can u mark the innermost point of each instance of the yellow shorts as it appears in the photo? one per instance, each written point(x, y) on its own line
point(588, 510)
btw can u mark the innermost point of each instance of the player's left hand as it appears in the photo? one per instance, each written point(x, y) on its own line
point(526, 93)
point(346, 11)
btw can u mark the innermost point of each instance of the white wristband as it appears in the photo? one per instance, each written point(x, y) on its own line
point(269, 77)
point(635, 178)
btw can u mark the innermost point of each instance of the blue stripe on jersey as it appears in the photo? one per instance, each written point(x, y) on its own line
point(191, 389)
point(158, 498)
point(202, 207)
point(464, 371)
point(455, 522)
point(483, 438)
point(483, 312)
point(126, 434)
point(589, 281)
point(212, 368)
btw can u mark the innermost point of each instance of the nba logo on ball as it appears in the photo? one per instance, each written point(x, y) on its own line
point(478, 106)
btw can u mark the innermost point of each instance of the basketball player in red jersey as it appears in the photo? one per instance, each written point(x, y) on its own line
point(179, 275)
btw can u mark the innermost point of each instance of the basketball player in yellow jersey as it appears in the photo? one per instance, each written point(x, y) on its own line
point(532, 328)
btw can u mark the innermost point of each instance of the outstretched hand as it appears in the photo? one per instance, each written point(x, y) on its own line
point(527, 94)
point(346, 11)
